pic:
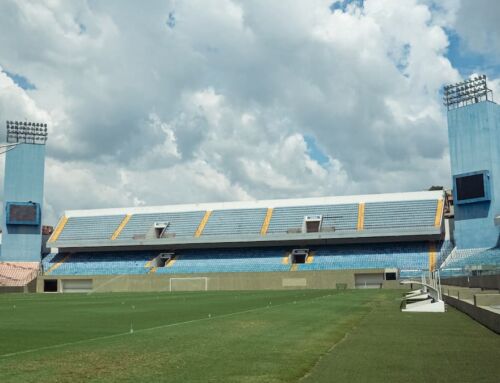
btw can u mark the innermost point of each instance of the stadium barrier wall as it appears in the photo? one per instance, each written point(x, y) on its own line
point(485, 282)
point(485, 317)
point(332, 279)
point(29, 288)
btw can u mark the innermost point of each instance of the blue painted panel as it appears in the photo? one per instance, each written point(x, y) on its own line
point(474, 136)
point(24, 176)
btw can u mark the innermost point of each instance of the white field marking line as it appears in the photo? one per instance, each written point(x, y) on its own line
point(155, 328)
point(336, 344)
point(107, 283)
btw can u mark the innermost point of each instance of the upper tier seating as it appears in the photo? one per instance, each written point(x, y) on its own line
point(401, 215)
point(341, 217)
point(90, 228)
point(235, 222)
point(89, 263)
point(182, 224)
point(392, 216)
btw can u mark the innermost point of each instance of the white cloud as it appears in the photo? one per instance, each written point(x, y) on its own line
point(477, 23)
point(216, 107)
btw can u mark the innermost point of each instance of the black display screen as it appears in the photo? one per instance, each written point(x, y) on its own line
point(22, 213)
point(470, 187)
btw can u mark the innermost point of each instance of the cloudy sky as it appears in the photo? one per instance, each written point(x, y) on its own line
point(163, 102)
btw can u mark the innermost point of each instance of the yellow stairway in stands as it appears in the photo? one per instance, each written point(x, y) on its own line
point(171, 262)
point(57, 265)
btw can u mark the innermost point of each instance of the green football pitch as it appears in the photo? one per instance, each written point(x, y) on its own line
point(258, 336)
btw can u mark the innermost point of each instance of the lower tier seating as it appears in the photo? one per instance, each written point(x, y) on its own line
point(108, 263)
point(408, 257)
point(462, 259)
point(227, 260)
point(403, 256)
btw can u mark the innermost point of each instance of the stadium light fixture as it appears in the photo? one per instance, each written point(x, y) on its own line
point(26, 132)
point(470, 91)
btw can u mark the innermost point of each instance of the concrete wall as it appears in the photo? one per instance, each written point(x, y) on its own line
point(29, 288)
point(224, 281)
point(23, 182)
point(474, 138)
point(485, 282)
point(485, 317)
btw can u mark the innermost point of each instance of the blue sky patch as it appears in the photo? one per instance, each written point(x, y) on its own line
point(314, 151)
point(467, 62)
point(20, 81)
point(343, 4)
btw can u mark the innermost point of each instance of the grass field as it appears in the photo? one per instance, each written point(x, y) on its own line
point(260, 336)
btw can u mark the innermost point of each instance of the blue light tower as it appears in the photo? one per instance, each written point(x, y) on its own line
point(474, 137)
point(23, 191)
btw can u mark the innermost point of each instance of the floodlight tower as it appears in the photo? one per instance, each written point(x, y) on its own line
point(23, 191)
point(474, 138)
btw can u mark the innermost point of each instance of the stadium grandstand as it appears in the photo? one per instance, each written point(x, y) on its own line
point(388, 235)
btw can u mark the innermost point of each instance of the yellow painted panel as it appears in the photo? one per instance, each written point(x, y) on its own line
point(286, 259)
point(60, 227)
point(439, 213)
point(361, 216)
point(267, 221)
point(203, 223)
point(432, 256)
point(310, 258)
point(120, 227)
point(148, 263)
point(171, 262)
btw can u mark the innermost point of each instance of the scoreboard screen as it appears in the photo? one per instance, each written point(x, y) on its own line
point(23, 213)
point(472, 187)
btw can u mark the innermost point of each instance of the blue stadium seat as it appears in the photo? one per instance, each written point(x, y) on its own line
point(408, 257)
point(90, 228)
point(109, 263)
point(227, 260)
point(462, 260)
point(342, 217)
point(400, 214)
point(403, 256)
point(182, 224)
point(235, 222)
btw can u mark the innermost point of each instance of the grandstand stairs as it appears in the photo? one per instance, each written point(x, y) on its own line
point(310, 257)
point(58, 264)
point(149, 265)
point(286, 259)
point(171, 261)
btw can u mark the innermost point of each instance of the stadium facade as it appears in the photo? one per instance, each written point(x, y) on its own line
point(330, 242)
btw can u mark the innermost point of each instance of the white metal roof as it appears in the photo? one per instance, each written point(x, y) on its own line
point(339, 200)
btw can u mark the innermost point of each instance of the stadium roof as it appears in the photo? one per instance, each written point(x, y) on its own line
point(273, 203)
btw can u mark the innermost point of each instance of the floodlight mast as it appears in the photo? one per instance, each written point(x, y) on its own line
point(23, 132)
point(467, 92)
point(26, 132)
